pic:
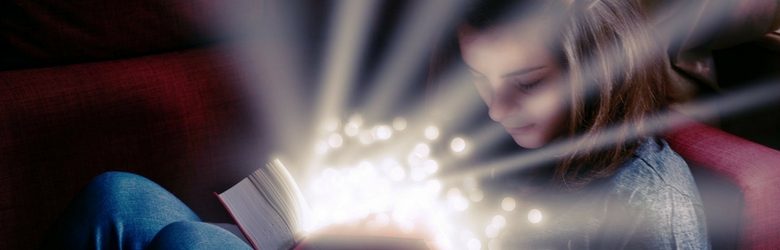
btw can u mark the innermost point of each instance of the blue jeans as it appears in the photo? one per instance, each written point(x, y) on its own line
point(126, 211)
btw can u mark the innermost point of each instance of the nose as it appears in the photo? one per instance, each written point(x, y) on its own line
point(501, 105)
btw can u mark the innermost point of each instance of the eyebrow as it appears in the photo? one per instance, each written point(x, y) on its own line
point(523, 71)
point(513, 73)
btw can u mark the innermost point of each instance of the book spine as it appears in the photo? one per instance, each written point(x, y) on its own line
point(240, 227)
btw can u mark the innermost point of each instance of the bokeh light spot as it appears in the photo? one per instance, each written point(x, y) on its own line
point(508, 204)
point(535, 216)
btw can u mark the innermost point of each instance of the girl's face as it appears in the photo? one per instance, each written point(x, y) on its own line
point(519, 79)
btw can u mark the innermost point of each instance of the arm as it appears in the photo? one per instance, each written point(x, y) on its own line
point(675, 221)
point(665, 220)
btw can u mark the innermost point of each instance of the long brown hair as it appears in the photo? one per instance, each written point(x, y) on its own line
point(617, 73)
point(611, 53)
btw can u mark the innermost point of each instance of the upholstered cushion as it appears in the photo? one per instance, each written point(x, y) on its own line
point(753, 168)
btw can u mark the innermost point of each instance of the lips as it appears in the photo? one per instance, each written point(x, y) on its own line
point(520, 129)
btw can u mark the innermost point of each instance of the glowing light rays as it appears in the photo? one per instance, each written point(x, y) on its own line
point(728, 104)
point(349, 28)
point(265, 40)
point(425, 21)
point(394, 151)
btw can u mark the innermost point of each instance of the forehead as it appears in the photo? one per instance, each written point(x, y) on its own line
point(503, 49)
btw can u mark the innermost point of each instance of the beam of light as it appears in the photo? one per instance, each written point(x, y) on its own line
point(690, 24)
point(456, 84)
point(489, 133)
point(459, 95)
point(723, 106)
point(426, 21)
point(349, 26)
point(264, 39)
point(401, 190)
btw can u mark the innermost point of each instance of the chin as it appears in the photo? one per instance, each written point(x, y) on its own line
point(530, 142)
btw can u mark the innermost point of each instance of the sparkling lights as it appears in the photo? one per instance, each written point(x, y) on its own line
point(474, 244)
point(458, 145)
point(351, 129)
point(431, 133)
point(508, 204)
point(331, 125)
point(535, 216)
point(399, 188)
point(399, 123)
point(422, 150)
point(456, 200)
point(383, 132)
point(335, 140)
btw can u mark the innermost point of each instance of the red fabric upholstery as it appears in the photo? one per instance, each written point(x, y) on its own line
point(754, 168)
point(121, 104)
point(174, 118)
point(52, 32)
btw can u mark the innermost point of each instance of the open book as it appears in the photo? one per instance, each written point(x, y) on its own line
point(272, 213)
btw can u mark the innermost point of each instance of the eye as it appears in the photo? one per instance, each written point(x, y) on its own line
point(526, 86)
point(475, 75)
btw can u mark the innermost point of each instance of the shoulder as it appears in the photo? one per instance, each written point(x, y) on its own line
point(656, 186)
point(654, 174)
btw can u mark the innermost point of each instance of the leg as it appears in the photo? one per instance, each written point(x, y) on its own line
point(196, 235)
point(117, 211)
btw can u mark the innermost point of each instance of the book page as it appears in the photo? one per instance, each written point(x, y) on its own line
point(268, 207)
point(258, 220)
point(279, 187)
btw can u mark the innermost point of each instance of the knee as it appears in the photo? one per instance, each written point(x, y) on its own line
point(111, 189)
point(115, 188)
point(114, 182)
point(120, 208)
point(130, 194)
point(195, 235)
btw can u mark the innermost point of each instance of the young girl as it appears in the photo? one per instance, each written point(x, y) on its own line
point(565, 69)
point(553, 71)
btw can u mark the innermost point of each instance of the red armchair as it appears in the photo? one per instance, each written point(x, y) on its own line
point(750, 217)
point(89, 86)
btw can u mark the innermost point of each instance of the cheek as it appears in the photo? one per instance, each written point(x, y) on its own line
point(547, 106)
